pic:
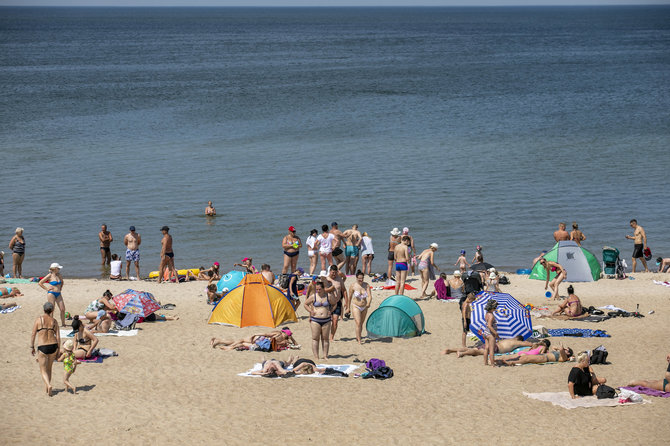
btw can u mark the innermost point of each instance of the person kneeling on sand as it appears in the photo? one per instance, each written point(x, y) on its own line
point(571, 307)
point(502, 346)
point(280, 338)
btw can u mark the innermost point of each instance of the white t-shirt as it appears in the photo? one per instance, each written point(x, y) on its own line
point(115, 266)
point(366, 246)
point(326, 243)
point(311, 241)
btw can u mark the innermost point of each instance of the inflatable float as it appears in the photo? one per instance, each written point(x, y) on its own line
point(181, 272)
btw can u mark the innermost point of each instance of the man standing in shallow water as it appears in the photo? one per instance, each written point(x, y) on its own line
point(167, 256)
point(132, 240)
point(105, 240)
point(561, 234)
point(352, 242)
point(639, 237)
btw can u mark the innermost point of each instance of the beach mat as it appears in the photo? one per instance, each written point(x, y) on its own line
point(14, 281)
point(647, 391)
point(392, 287)
point(564, 400)
point(10, 309)
point(344, 368)
point(578, 332)
point(70, 333)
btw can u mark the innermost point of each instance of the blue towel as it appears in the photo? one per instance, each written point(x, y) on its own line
point(578, 332)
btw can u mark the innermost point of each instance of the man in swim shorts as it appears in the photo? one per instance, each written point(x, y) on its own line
point(105, 240)
point(338, 254)
point(167, 256)
point(352, 242)
point(132, 240)
point(402, 259)
point(639, 238)
point(336, 279)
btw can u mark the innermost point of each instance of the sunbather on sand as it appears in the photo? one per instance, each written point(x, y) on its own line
point(536, 349)
point(561, 354)
point(6, 292)
point(571, 307)
point(6, 305)
point(282, 338)
point(659, 384)
point(502, 346)
point(301, 366)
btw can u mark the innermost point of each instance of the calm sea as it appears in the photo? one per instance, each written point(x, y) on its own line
point(471, 126)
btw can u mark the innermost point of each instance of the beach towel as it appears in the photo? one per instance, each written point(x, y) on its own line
point(647, 391)
point(658, 282)
point(392, 287)
point(564, 400)
point(70, 333)
point(578, 332)
point(12, 280)
point(612, 308)
point(441, 289)
point(10, 309)
point(344, 368)
point(102, 354)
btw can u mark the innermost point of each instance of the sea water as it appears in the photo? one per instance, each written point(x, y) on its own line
point(470, 126)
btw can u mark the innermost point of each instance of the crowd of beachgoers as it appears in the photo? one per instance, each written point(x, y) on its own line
point(325, 297)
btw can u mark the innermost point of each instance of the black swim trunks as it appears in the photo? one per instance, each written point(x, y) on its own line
point(466, 325)
point(105, 249)
point(638, 251)
point(170, 254)
point(338, 309)
point(337, 252)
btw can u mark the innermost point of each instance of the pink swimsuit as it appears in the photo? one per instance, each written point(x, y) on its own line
point(535, 351)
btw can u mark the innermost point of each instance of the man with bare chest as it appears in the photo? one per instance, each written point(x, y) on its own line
point(561, 234)
point(132, 240)
point(352, 241)
point(336, 279)
point(639, 238)
point(338, 254)
point(106, 239)
point(167, 256)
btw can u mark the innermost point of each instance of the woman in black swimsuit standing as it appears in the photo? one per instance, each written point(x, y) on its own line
point(48, 343)
point(18, 246)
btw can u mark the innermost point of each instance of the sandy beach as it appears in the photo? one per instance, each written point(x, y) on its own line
point(168, 386)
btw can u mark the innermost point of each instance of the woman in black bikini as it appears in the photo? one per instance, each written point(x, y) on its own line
point(320, 305)
point(85, 341)
point(48, 343)
point(561, 354)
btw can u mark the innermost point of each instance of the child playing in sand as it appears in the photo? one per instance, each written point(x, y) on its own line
point(70, 364)
point(212, 296)
point(462, 262)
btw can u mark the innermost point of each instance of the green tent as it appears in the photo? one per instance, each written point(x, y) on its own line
point(397, 316)
point(579, 263)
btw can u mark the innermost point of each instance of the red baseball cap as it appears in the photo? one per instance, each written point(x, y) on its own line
point(291, 229)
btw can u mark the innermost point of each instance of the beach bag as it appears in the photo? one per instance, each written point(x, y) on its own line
point(379, 373)
point(647, 254)
point(374, 364)
point(599, 355)
point(283, 280)
point(503, 280)
point(604, 392)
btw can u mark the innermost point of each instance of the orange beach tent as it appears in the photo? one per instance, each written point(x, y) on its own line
point(253, 303)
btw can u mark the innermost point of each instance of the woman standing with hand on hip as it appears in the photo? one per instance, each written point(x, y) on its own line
point(46, 330)
point(53, 284)
point(18, 246)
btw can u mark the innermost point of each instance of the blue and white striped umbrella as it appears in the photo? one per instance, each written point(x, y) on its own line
point(513, 318)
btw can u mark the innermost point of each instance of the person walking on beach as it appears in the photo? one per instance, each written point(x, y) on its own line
point(105, 241)
point(336, 279)
point(426, 262)
point(394, 240)
point(18, 246)
point(291, 245)
point(639, 237)
point(402, 259)
point(167, 256)
point(338, 254)
point(576, 235)
point(352, 242)
point(325, 243)
point(561, 234)
point(209, 210)
point(53, 284)
point(46, 330)
point(132, 240)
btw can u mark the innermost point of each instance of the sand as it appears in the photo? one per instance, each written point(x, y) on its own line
point(168, 386)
